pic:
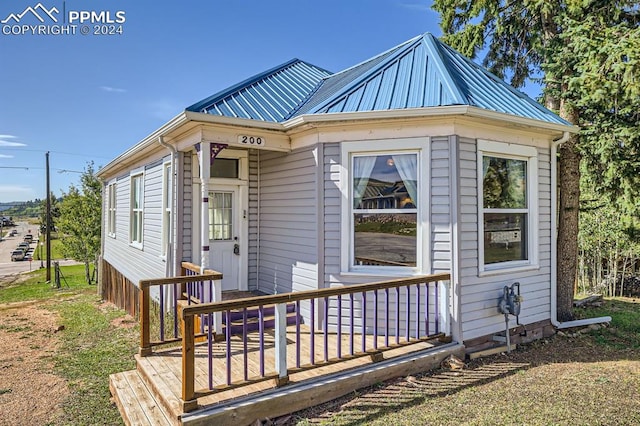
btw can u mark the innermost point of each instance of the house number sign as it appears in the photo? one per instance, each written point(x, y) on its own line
point(251, 140)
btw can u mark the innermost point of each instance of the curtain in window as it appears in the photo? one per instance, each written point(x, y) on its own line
point(408, 169)
point(362, 167)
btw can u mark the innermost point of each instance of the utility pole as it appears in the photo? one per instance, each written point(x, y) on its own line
point(48, 223)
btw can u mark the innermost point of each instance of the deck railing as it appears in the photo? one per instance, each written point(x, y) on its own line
point(391, 314)
point(164, 294)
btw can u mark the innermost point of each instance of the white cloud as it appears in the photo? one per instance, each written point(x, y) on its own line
point(112, 89)
point(416, 6)
point(7, 140)
point(6, 156)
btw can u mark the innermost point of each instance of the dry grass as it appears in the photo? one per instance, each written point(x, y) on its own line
point(581, 379)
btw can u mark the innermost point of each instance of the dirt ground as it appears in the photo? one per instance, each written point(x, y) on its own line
point(29, 393)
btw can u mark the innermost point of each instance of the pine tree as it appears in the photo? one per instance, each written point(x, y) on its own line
point(585, 54)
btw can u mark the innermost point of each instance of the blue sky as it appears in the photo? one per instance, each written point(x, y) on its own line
point(90, 97)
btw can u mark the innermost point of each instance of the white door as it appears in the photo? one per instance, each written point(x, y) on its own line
point(224, 232)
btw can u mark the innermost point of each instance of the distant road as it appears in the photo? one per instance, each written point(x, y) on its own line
point(9, 244)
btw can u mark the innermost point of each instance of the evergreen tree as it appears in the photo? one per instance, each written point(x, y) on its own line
point(585, 54)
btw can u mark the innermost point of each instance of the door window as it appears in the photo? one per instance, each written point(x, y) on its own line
point(221, 216)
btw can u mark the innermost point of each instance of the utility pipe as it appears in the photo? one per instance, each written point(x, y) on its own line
point(554, 245)
point(170, 268)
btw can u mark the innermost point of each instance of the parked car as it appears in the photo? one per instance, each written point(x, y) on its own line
point(17, 255)
point(13, 233)
point(28, 238)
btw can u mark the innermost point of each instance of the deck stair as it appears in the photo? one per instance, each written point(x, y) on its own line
point(253, 319)
point(136, 401)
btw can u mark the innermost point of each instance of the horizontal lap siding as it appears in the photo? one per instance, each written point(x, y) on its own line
point(332, 213)
point(133, 263)
point(187, 208)
point(287, 222)
point(440, 206)
point(253, 220)
point(480, 295)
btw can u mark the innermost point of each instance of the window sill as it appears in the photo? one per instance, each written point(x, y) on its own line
point(384, 274)
point(508, 270)
point(136, 246)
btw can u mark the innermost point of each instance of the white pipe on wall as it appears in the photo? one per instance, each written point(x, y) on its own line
point(554, 244)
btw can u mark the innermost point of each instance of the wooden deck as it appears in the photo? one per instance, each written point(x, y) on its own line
point(158, 391)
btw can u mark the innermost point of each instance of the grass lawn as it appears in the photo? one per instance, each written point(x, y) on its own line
point(587, 378)
point(579, 379)
point(91, 346)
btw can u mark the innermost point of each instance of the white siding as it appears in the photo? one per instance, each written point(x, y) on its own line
point(440, 206)
point(253, 220)
point(287, 257)
point(134, 263)
point(186, 208)
point(480, 295)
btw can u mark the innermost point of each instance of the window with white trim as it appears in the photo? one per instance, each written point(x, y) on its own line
point(137, 210)
point(167, 200)
point(384, 226)
point(111, 210)
point(507, 198)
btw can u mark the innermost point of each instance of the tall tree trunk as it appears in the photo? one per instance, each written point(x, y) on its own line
point(569, 182)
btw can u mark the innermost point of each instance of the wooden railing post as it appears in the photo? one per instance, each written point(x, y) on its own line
point(145, 336)
point(281, 344)
point(189, 401)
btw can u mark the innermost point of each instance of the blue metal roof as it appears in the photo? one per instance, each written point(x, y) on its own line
point(419, 73)
point(268, 96)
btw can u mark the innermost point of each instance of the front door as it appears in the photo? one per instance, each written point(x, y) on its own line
point(224, 232)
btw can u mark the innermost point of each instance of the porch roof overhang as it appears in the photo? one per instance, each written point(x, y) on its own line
point(188, 120)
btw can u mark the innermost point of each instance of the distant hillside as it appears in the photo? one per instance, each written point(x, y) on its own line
point(21, 209)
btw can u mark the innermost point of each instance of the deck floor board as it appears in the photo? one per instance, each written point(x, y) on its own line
point(165, 365)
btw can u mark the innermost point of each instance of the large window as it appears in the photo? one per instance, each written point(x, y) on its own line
point(111, 210)
point(137, 212)
point(167, 200)
point(508, 194)
point(384, 209)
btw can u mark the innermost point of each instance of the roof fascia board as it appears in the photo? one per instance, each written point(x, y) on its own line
point(453, 110)
point(145, 143)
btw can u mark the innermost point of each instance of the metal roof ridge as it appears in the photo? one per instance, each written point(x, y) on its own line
point(400, 49)
point(196, 107)
point(373, 57)
point(433, 47)
point(504, 84)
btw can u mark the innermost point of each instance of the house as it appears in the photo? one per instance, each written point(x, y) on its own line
point(414, 162)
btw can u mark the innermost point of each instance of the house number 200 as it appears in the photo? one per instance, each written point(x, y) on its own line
point(251, 140)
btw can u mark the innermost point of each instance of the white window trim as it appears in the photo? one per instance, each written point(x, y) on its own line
point(167, 205)
point(420, 146)
point(111, 209)
point(132, 243)
point(516, 152)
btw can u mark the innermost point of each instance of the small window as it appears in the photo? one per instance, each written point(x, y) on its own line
point(221, 216)
point(167, 200)
point(508, 205)
point(225, 168)
point(384, 215)
point(137, 211)
point(111, 210)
